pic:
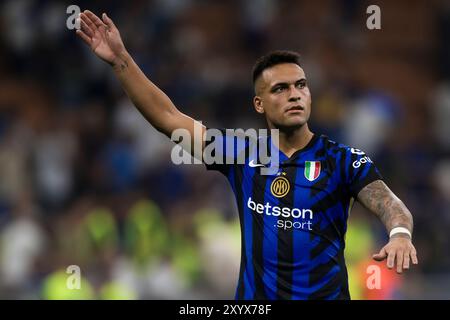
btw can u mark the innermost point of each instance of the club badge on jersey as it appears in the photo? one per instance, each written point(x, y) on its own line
point(280, 186)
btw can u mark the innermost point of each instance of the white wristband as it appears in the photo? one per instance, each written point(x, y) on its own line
point(399, 230)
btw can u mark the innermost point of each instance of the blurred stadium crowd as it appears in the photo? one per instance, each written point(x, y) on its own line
point(85, 181)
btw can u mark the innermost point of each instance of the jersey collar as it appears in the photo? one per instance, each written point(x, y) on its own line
point(285, 159)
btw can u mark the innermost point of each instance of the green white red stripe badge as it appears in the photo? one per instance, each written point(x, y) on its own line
point(312, 170)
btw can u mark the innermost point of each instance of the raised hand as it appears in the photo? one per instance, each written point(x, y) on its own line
point(102, 36)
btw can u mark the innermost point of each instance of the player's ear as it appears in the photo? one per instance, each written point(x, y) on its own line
point(258, 104)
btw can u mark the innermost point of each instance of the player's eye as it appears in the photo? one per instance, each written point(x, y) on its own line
point(301, 84)
point(279, 89)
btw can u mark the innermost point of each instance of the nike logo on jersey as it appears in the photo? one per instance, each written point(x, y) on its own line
point(254, 165)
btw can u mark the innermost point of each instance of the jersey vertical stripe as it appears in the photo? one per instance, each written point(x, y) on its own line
point(270, 248)
point(258, 232)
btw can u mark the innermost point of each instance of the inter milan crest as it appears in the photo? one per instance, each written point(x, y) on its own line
point(312, 170)
point(280, 186)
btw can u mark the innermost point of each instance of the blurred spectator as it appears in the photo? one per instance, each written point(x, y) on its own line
point(22, 241)
point(14, 160)
point(440, 111)
point(370, 121)
point(54, 151)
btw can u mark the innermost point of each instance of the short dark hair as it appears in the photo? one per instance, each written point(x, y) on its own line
point(273, 58)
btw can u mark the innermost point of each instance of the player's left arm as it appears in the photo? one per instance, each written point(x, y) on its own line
point(380, 200)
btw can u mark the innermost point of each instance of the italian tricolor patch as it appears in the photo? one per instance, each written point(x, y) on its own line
point(312, 170)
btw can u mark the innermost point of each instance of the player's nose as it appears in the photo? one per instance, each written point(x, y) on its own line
point(294, 94)
point(294, 97)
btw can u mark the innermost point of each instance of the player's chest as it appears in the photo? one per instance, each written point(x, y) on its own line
point(309, 177)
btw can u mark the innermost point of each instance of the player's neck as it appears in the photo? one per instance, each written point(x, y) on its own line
point(291, 141)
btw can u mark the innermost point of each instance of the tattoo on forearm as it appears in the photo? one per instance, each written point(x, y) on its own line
point(123, 65)
point(119, 64)
point(379, 199)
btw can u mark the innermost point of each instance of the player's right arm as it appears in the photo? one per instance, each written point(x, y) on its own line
point(104, 39)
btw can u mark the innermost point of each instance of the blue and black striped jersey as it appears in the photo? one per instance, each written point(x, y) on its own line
point(293, 222)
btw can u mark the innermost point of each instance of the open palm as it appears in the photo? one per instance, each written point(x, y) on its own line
point(101, 35)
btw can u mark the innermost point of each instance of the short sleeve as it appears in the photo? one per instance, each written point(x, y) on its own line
point(361, 171)
point(223, 149)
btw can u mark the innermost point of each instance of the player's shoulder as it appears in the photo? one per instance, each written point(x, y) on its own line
point(334, 148)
